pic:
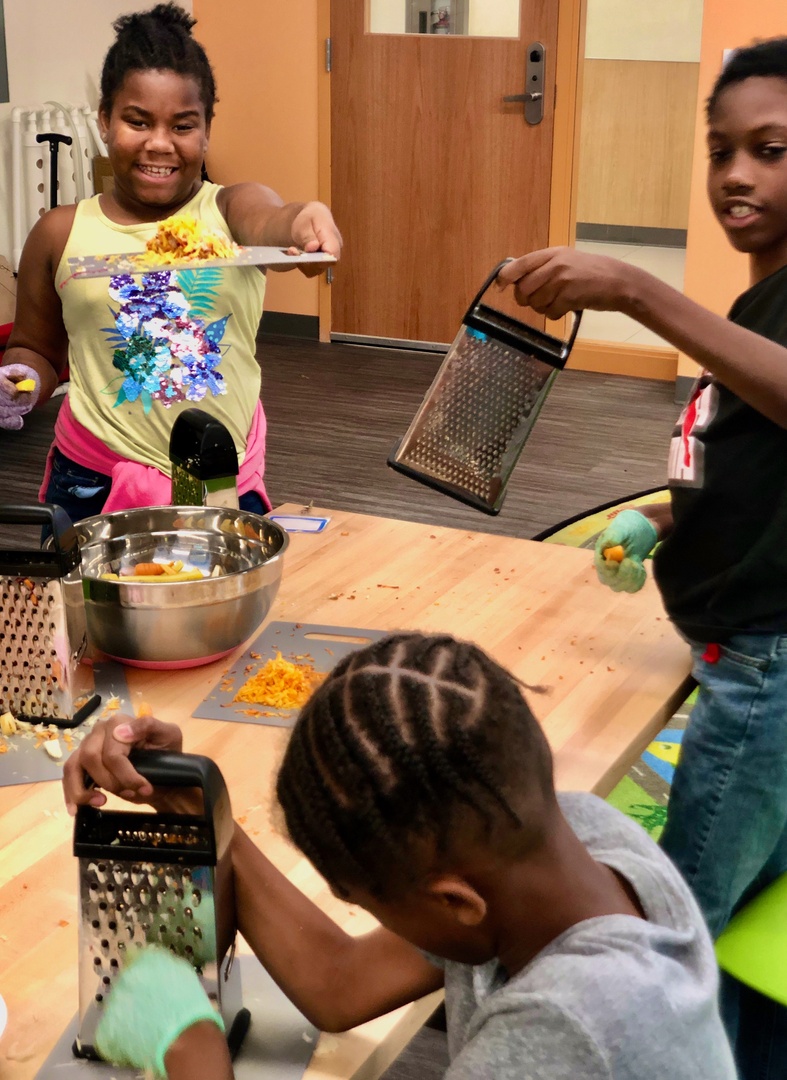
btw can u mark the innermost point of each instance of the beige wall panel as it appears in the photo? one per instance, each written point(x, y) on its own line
point(636, 144)
point(644, 30)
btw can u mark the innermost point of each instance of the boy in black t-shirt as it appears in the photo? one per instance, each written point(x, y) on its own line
point(722, 566)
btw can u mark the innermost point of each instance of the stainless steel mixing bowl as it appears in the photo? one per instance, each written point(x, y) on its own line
point(180, 623)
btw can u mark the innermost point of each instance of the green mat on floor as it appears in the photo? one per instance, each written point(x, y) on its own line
point(642, 794)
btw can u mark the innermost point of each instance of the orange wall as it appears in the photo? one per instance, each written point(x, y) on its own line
point(267, 58)
point(715, 273)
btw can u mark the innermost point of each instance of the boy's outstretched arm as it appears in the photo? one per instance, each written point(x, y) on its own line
point(558, 280)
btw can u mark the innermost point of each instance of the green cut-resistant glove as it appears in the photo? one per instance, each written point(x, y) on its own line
point(637, 536)
point(155, 998)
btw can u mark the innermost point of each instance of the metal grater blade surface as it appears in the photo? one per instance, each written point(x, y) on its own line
point(483, 401)
point(34, 648)
point(125, 906)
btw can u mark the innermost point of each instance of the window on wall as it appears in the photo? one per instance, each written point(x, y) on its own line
point(3, 58)
point(469, 18)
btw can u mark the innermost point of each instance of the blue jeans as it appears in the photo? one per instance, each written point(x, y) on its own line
point(726, 827)
point(82, 492)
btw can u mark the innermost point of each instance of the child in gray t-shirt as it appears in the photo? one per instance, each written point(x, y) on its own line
point(420, 785)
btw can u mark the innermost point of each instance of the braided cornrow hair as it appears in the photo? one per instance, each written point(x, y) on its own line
point(412, 741)
point(157, 40)
point(765, 59)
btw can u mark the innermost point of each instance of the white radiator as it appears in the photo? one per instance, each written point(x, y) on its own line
point(30, 168)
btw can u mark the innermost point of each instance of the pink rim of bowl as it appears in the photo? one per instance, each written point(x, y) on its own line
point(171, 665)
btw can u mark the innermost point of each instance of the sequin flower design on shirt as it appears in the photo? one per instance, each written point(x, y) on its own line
point(163, 348)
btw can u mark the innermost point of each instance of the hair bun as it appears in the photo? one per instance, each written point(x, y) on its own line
point(170, 15)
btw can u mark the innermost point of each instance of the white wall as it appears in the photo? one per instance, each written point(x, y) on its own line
point(55, 50)
point(387, 17)
point(493, 18)
point(644, 30)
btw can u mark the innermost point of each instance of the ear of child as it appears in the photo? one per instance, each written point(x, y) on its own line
point(459, 899)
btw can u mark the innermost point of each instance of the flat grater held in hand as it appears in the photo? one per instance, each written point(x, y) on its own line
point(204, 461)
point(477, 415)
point(43, 634)
point(158, 878)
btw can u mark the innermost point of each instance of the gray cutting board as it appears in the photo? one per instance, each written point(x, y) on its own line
point(23, 764)
point(278, 1045)
point(324, 645)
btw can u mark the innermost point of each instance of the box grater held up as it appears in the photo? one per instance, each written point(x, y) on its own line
point(43, 633)
point(473, 423)
point(150, 878)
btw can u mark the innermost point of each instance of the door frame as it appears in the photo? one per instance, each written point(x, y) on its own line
point(651, 363)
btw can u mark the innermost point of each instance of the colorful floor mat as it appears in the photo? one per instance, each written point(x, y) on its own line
point(642, 794)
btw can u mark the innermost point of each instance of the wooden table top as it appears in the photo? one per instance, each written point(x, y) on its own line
point(614, 670)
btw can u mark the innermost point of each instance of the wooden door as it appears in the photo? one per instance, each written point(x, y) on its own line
point(434, 178)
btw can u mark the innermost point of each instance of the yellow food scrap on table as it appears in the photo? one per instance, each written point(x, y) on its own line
point(183, 237)
point(8, 725)
point(54, 749)
point(614, 554)
point(281, 684)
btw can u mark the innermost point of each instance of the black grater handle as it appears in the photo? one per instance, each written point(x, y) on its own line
point(64, 551)
point(505, 327)
point(165, 768)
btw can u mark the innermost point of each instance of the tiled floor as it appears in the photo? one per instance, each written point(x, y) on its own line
point(666, 263)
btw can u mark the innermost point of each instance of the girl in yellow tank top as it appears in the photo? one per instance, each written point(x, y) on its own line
point(141, 349)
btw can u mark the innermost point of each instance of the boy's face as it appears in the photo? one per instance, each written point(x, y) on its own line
point(747, 172)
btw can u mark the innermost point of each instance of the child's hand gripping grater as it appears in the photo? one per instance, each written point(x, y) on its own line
point(43, 634)
point(159, 878)
point(473, 423)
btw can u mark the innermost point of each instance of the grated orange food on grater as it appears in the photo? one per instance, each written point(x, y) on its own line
point(280, 684)
point(183, 237)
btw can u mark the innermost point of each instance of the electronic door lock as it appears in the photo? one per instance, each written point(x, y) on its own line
point(533, 97)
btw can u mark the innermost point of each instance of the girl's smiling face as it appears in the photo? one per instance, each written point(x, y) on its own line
point(156, 137)
point(747, 171)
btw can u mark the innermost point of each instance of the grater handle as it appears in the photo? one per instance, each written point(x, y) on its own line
point(64, 547)
point(566, 346)
point(164, 768)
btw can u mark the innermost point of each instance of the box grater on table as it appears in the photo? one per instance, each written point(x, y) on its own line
point(474, 421)
point(43, 635)
point(149, 878)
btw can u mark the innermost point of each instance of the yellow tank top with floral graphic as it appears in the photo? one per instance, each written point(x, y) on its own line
point(143, 348)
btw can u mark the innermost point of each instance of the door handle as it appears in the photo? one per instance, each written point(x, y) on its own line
point(533, 97)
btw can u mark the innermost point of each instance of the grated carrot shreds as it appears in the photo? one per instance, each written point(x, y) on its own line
point(281, 684)
point(183, 237)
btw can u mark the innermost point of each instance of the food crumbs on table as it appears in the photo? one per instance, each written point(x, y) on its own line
point(610, 668)
point(329, 651)
point(345, 534)
point(335, 595)
point(387, 586)
point(63, 922)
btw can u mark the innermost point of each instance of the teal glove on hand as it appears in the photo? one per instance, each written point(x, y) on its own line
point(637, 536)
point(155, 998)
